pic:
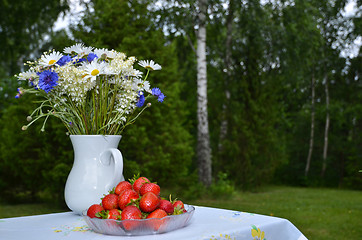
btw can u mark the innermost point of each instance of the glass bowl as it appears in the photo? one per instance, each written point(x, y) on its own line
point(140, 226)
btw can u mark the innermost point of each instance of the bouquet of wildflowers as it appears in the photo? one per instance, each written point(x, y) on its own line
point(92, 91)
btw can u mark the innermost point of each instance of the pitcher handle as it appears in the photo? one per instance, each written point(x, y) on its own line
point(116, 155)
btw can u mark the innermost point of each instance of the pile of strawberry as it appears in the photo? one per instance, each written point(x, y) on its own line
point(135, 199)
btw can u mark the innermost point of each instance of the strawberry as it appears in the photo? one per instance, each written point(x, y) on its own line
point(156, 223)
point(126, 197)
point(114, 214)
point(149, 202)
point(93, 210)
point(150, 187)
point(179, 204)
point(139, 182)
point(166, 206)
point(158, 213)
point(179, 207)
point(131, 212)
point(122, 186)
point(110, 201)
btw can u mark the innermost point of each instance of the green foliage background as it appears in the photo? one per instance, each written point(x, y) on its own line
point(276, 50)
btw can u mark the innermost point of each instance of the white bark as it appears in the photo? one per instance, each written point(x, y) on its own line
point(311, 140)
point(203, 136)
point(326, 130)
point(227, 63)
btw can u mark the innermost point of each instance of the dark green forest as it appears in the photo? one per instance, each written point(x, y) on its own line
point(284, 97)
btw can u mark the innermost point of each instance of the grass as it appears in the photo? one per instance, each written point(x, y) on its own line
point(19, 210)
point(318, 213)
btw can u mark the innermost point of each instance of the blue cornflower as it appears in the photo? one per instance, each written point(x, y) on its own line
point(141, 99)
point(91, 57)
point(161, 97)
point(64, 60)
point(78, 60)
point(47, 80)
point(157, 93)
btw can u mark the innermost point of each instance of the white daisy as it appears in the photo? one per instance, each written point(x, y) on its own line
point(147, 86)
point(93, 69)
point(79, 49)
point(139, 85)
point(50, 59)
point(73, 49)
point(136, 73)
point(99, 52)
point(85, 51)
point(105, 53)
point(150, 65)
point(27, 75)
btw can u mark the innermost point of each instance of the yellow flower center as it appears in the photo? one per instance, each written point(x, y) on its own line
point(51, 62)
point(95, 72)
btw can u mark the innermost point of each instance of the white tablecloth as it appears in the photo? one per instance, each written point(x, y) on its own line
point(206, 223)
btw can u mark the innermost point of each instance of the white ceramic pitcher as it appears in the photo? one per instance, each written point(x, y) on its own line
point(97, 168)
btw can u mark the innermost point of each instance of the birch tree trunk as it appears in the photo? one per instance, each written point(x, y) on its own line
point(227, 63)
point(326, 130)
point(311, 141)
point(203, 136)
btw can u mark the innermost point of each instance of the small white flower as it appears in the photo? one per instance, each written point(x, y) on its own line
point(109, 70)
point(50, 59)
point(150, 65)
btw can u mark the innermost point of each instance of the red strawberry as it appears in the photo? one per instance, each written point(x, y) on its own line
point(178, 204)
point(150, 187)
point(122, 186)
point(139, 182)
point(149, 202)
point(114, 214)
point(93, 210)
point(125, 198)
point(166, 206)
point(156, 223)
point(110, 201)
point(179, 207)
point(158, 213)
point(131, 212)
